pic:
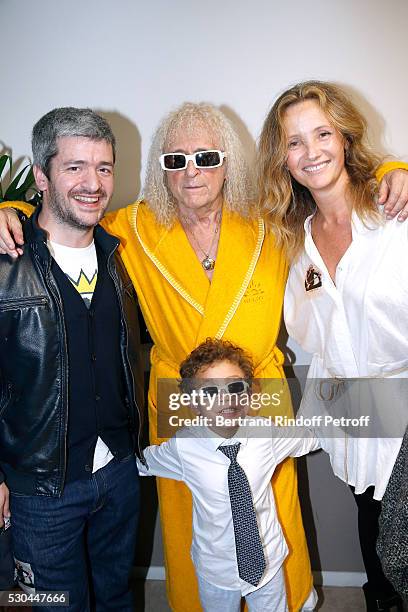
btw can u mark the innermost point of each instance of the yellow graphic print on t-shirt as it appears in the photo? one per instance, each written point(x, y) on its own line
point(84, 286)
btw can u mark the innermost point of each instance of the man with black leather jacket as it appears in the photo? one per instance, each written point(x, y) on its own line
point(70, 377)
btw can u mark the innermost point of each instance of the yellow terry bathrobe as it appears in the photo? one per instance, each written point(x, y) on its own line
point(243, 303)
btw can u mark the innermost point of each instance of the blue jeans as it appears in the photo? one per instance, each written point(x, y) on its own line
point(84, 538)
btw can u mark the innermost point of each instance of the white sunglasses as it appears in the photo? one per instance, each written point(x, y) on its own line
point(235, 387)
point(202, 159)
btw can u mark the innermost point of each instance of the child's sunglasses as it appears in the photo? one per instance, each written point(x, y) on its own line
point(234, 387)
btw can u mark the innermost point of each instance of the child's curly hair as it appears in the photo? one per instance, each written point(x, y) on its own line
point(210, 352)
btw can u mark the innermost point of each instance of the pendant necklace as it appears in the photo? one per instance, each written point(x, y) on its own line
point(208, 263)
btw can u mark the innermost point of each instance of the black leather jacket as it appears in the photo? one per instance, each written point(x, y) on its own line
point(34, 367)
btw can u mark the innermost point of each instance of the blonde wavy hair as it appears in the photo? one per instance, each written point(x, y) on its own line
point(283, 201)
point(238, 190)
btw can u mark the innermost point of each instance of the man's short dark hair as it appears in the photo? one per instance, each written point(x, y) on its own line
point(67, 122)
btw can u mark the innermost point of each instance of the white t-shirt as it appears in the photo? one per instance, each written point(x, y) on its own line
point(80, 265)
point(356, 327)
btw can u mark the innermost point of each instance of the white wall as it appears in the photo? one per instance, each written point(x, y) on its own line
point(135, 60)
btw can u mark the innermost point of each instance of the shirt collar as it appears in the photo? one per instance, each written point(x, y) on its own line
point(358, 226)
point(211, 441)
point(308, 224)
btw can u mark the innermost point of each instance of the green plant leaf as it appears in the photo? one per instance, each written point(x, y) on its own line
point(14, 189)
point(27, 184)
point(3, 161)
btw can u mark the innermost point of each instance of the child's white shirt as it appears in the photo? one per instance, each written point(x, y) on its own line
point(192, 456)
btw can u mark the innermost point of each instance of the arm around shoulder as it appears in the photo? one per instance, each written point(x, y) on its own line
point(24, 207)
point(11, 234)
point(389, 167)
point(116, 222)
point(393, 189)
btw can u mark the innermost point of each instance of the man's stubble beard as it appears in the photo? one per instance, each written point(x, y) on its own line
point(64, 215)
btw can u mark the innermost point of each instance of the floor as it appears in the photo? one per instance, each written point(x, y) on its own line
point(334, 599)
point(150, 596)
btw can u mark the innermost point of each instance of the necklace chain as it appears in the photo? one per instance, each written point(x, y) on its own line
point(208, 263)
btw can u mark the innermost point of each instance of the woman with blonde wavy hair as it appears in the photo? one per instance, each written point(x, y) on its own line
point(346, 296)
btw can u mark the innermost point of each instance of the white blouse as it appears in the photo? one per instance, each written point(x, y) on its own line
point(356, 327)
